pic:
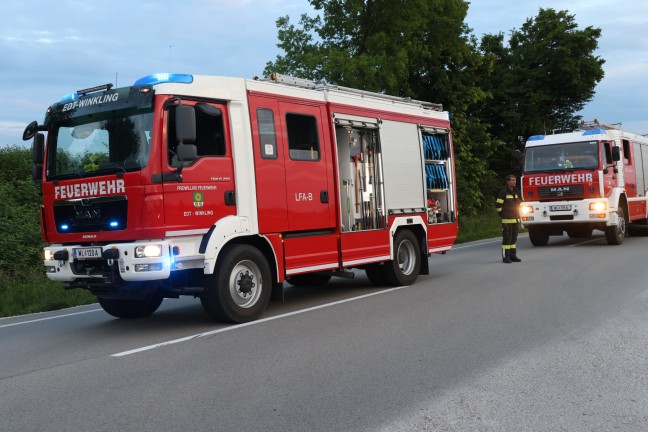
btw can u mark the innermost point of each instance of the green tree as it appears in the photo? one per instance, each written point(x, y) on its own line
point(540, 80)
point(412, 48)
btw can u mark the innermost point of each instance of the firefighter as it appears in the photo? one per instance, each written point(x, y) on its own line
point(507, 204)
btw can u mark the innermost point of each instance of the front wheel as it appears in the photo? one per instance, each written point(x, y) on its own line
point(615, 234)
point(130, 309)
point(239, 289)
point(538, 236)
point(404, 268)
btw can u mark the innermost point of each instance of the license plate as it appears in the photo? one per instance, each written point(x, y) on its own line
point(87, 253)
point(560, 208)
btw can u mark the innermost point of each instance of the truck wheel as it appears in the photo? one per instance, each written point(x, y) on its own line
point(615, 234)
point(130, 309)
point(239, 289)
point(309, 279)
point(404, 268)
point(538, 236)
point(375, 275)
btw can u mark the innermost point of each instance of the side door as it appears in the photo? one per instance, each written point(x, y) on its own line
point(308, 165)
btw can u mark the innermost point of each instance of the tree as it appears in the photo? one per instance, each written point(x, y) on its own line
point(415, 48)
point(546, 74)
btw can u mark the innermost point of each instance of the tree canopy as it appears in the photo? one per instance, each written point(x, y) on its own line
point(495, 92)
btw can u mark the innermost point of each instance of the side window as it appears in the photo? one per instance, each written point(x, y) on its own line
point(626, 152)
point(608, 153)
point(210, 133)
point(302, 137)
point(267, 133)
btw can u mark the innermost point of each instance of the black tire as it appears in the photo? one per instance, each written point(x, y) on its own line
point(538, 236)
point(240, 288)
point(130, 309)
point(615, 234)
point(309, 279)
point(404, 268)
point(375, 274)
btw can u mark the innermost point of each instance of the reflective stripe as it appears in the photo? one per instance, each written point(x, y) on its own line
point(506, 247)
point(510, 221)
point(499, 201)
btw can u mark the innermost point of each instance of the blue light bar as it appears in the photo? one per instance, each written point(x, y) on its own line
point(161, 78)
point(594, 132)
point(114, 224)
point(69, 97)
point(536, 138)
point(65, 227)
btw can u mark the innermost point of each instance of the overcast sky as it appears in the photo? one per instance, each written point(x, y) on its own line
point(50, 49)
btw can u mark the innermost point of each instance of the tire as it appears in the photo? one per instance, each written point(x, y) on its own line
point(375, 275)
point(404, 268)
point(239, 289)
point(130, 309)
point(309, 279)
point(615, 234)
point(538, 236)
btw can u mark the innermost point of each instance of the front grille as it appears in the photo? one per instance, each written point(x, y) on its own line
point(91, 214)
point(575, 191)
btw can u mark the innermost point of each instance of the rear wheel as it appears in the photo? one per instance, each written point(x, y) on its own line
point(130, 309)
point(239, 289)
point(615, 234)
point(538, 236)
point(375, 274)
point(404, 268)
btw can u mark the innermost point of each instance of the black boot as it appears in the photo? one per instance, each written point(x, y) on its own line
point(507, 256)
point(514, 257)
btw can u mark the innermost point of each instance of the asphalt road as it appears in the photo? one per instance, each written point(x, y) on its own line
point(557, 342)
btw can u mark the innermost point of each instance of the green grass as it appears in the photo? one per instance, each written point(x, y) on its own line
point(32, 291)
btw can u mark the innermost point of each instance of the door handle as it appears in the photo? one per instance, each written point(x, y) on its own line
point(324, 198)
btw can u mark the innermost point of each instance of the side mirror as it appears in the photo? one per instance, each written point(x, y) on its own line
point(517, 154)
point(616, 154)
point(38, 149)
point(185, 124)
point(30, 130)
point(186, 152)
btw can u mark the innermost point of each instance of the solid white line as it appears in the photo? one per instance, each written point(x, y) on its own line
point(238, 326)
point(49, 318)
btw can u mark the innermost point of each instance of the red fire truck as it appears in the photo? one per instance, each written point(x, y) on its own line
point(576, 182)
point(224, 188)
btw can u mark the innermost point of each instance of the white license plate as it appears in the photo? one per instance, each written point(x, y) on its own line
point(87, 253)
point(560, 208)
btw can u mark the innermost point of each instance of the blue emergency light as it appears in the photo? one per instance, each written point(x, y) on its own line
point(161, 78)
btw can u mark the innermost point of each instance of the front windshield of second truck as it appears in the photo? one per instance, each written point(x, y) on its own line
point(115, 141)
point(561, 157)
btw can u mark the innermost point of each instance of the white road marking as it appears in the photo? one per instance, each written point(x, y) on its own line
point(49, 318)
point(260, 321)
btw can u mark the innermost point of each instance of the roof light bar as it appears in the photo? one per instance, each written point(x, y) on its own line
point(161, 78)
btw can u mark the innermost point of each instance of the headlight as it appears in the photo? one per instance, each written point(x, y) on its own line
point(49, 255)
point(526, 209)
point(148, 251)
point(598, 206)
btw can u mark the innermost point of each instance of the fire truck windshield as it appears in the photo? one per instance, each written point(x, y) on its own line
point(99, 144)
point(562, 157)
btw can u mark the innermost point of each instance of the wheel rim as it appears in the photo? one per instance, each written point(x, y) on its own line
point(245, 284)
point(406, 257)
point(621, 227)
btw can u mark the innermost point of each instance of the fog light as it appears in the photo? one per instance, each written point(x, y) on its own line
point(148, 267)
point(50, 269)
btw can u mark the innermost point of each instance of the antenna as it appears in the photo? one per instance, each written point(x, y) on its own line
point(169, 59)
point(116, 73)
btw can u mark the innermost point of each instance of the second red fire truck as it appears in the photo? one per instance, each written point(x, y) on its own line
point(224, 188)
point(592, 178)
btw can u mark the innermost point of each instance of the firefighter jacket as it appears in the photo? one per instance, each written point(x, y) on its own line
point(507, 204)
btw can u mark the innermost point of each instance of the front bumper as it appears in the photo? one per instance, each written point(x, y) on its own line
point(568, 212)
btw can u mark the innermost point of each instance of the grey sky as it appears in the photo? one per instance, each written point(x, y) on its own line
point(50, 49)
